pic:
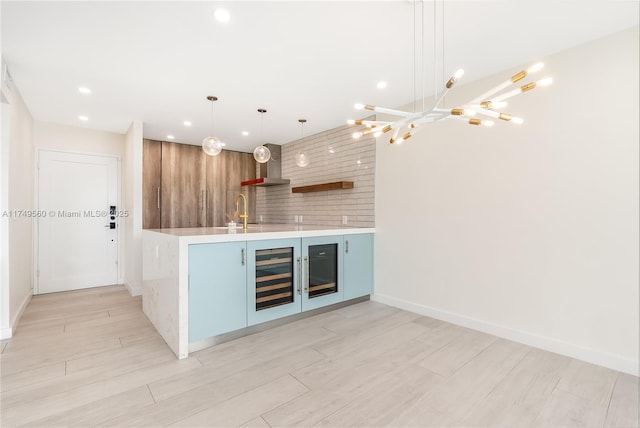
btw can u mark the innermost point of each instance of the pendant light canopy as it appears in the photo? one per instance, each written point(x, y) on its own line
point(211, 145)
point(302, 159)
point(262, 154)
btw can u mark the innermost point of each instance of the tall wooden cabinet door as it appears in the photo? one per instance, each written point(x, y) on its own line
point(183, 188)
point(224, 174)
point(216, 197)
point(248, 172)
point(151, 183)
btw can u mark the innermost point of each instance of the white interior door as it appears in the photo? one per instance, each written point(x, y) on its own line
point(77, 232)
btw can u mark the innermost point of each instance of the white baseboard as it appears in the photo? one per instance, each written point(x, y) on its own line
point(578, 352)
point(7, 333)
point(134, 291)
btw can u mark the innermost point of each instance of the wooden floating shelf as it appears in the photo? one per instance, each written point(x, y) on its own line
point(322, 187)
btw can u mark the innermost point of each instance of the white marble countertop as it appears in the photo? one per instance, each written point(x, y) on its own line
point(195, 235)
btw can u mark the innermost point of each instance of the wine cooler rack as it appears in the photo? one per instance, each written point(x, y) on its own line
point(274, 277)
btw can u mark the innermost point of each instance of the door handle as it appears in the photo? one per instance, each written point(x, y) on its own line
point(242, 256)
point(299, 276)
point(158, 197)
point(306, 283)
point(346, 246)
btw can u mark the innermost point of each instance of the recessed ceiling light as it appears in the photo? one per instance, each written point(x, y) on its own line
point(170, 137)
point(187, 123)
point(381, 85)
point(84, 90)
point(245, 133)
point(85, 118)
point(222, 15)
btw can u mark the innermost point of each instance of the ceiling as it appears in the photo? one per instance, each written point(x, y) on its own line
point(157, 61)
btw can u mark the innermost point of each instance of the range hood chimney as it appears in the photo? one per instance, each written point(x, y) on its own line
point(270, 173)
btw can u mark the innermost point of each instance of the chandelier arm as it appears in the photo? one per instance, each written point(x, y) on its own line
point(513, 79)
point(391, 111)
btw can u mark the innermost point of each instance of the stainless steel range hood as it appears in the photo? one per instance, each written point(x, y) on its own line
point(270, 173)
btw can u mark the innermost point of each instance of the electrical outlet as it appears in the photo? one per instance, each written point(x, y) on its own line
point(295, 218)
point(344, 219)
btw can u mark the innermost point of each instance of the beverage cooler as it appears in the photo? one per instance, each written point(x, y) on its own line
point(287, 276)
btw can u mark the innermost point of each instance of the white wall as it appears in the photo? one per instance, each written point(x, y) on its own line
point(19, 197)
point(529, 232)
point(132, 177)
point(53, 136)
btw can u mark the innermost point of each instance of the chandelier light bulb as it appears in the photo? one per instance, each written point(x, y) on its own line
point(535, 68)
point(544, 82)
point(359, 106)
point(351, 122)
point(458, 74)
point(357, 135)
point(262, 154)
point(487, 123)
point(517, 120)
point(212, 146)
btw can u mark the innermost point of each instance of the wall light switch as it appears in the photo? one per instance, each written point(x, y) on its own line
point(295, 218)
point(344, 219)
point(261, 219)
point(300, 218)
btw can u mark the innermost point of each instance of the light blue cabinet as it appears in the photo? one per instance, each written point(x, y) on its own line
point(358, 265)
point(233, 285)
point(217, 289)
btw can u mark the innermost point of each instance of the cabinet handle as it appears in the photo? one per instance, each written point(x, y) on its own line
point(346, 246)
point(299, 275)
point(158, 193)
point(306, 283)
point(242, 257)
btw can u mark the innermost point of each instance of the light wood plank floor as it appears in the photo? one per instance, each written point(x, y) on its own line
point(91, 358)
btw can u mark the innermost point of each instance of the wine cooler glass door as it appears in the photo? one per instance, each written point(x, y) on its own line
point(323, 271)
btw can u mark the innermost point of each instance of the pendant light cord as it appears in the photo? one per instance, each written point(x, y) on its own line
point(435, 52)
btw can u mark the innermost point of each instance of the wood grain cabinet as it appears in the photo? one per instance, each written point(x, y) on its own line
point(151, 183)
point(183, 187)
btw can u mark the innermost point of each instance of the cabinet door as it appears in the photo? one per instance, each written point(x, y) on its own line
point(224, 174)
point(217, 289)
point(358, 265)
point(151, 182)
point(322, 276)
point(273, 288)
point(183, 189)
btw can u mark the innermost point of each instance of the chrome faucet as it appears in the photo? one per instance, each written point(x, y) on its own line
point(244, 216)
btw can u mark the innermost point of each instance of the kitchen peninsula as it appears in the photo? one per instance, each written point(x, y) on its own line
point(205, 282)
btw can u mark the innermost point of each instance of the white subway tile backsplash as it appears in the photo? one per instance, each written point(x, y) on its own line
point(351, 160)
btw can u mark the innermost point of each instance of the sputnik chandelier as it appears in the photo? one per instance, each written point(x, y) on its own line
point(479, 111)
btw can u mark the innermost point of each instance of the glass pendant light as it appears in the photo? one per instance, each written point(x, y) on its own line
point(302, 159)
point(211, 145)
point(262, 154)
